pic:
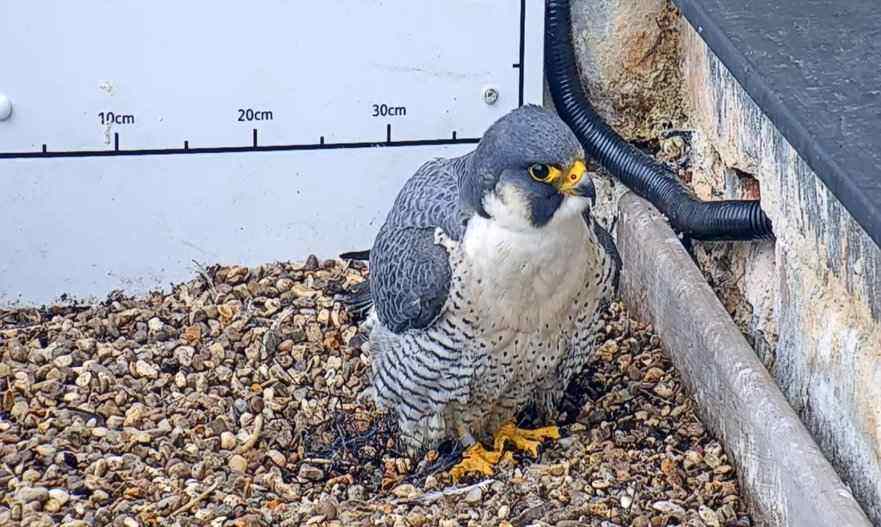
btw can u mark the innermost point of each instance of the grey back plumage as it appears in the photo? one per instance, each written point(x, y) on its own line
point(410, 274)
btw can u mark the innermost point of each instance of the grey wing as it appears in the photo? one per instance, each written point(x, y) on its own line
point(608, 244)
point(604, 238)
point(409, 273)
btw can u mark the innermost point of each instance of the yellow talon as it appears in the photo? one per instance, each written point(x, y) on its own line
point(478, 459)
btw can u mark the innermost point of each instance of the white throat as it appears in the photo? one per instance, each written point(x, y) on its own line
point(525, 275)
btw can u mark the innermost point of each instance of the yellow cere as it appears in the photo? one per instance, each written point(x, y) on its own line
point(554, 174)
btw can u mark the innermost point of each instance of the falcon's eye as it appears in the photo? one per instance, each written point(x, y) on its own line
point(539, 172)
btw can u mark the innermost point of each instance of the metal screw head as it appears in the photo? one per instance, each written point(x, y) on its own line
point(490, 95)
point(5, 107)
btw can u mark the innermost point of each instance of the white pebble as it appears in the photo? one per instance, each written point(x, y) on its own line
point(154, 325)
point(59, 495)
point(184, 355)
point(84, 379)
point(668, 507)
point(145, 369)
point(227, 440)
point(63, 361)
point(238, 463)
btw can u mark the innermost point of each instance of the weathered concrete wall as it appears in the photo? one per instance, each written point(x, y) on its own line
point(812, 301)
point(809, 303)
point(627, 53)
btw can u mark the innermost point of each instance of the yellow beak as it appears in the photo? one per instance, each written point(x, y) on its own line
point(568, 182)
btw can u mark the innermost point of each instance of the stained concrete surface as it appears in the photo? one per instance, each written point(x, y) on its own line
point(785, 476)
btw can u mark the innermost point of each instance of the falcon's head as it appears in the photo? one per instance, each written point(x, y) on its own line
point(528, 169)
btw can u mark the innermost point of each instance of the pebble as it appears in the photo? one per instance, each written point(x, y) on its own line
point(46, 451)
point(654, 374)
point(327, 507)
point(84, 379)
point(59, 495)
point(333, 363)
point(63, 361)
point(355, 492)
point(134, 414)
point(277, 457)
point(184, 355)
point(145, 369)
point(99, 496)
point(32, 494)
point(668, 507)
point(100, 467)
point(100, 431)
point(19, 410)
point(416, 519)
point(474, 496)
point(238, 463)
point(663, 390)
point(692, 459)
point(303, 292)
point(154, 325)
point(227, 440)
point(153, 395)
point(308, 472)
point(709, 516)
point(405, 491)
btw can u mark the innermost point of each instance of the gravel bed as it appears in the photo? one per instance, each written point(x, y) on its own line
point(239, 399)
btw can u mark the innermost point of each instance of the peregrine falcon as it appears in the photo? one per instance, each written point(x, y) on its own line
point(485, 287)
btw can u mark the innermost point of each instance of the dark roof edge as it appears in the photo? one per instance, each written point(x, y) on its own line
point(864, 207)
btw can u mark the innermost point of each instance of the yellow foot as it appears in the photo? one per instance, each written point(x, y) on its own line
point(478, 459)
point(523, 439)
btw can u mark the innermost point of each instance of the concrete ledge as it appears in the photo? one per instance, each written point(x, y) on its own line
point(782, 470)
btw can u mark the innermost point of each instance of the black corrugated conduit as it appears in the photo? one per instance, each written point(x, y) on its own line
point(700, 220)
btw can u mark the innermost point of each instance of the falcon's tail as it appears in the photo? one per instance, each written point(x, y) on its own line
point(357, 299)
point(357, 255)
